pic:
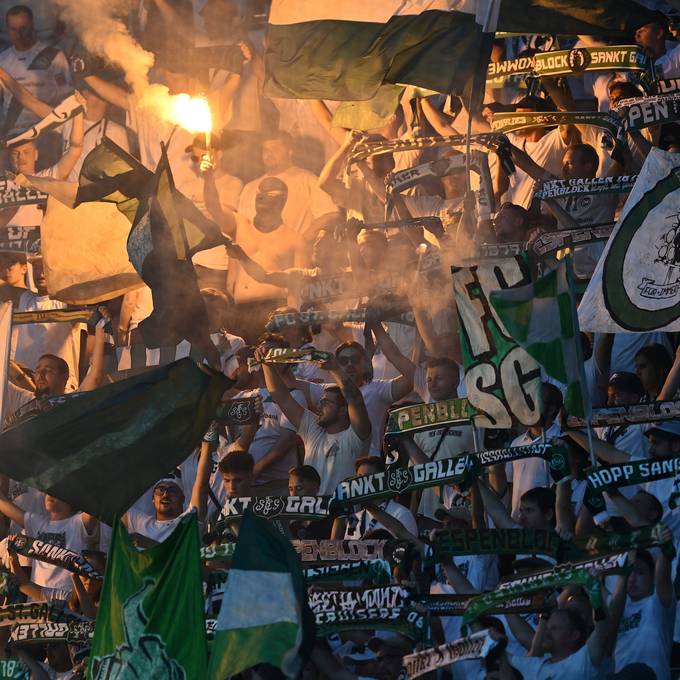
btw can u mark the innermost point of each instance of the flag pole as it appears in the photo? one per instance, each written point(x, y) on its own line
point(587, 406)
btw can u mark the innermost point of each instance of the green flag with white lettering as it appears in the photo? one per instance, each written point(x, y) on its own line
point(150, 622)
point(541, 318)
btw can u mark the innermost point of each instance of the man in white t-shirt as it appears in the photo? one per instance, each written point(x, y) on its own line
point(31, 341)
point(336, 437)
point(168, 502)
point(645, 633)
point(378, 395)
point(652, 38)
point(568, 651)
point(42, 69)
point(308, 207)
point(60, 525)
point(545, 148)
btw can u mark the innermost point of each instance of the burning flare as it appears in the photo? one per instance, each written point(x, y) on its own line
point(191, 113)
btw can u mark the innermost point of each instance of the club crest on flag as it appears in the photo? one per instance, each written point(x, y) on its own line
point(642, 269)
point(145, 652)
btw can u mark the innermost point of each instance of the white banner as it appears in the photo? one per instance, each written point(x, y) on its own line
point(636, 285)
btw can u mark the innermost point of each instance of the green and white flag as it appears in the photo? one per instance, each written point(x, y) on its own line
point(541, 318)
point(150, 622)
point(347, 50)
point(503, 381)
point(636, 285)
point(264, 617)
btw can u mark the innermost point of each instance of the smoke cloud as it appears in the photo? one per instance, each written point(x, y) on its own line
point(100, 27)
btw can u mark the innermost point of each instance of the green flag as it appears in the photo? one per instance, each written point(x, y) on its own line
point(264, 617)
point(150, 622)
point(617, 18)
point(541, 318)
point(112, 175)
point(101, 450)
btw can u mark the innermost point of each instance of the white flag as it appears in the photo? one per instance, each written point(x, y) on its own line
point(636, 284)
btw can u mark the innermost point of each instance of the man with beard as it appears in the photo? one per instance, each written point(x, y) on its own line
point(336, 437)
point(51, 377)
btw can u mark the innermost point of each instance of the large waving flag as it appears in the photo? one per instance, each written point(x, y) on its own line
point(168, 230)
point(324, 49)
point(150, 622)
point(636, 285)
point(541, 318)
point(264, 617)
point(617, 18)
point(102, 450)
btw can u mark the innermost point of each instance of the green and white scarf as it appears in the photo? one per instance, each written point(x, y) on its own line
point(578, 573)
point(643, 112)
point(396, 479)
point(421, 417)
point(632, 414)
point(513, 121)
point(556, 188)
point(475, 646)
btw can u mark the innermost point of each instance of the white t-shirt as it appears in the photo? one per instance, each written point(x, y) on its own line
point(627, 345)
point(646, 635)
point(30, 341)
point(331, 455)
point(151, 131)
point(272, 422)
point(67, 533)
point(306, 201)
point(668, 65)
point(363, 522)
point(578, 666)
point(457, 440)
point(528, 473)
point(546, 152)
point(50, 84)
point(378, 399)
point(31, 215)
point(149, 526)
point(93, 133)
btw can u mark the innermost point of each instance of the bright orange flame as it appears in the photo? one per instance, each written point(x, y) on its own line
point(191, 113)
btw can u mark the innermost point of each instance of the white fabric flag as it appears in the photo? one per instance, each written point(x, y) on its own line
point(636, 285)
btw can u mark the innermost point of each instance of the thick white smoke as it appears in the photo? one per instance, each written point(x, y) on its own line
point(101, 29)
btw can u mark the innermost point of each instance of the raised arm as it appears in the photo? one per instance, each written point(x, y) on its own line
point(437, 119)
point(602, 449)
point(94, 376)
point(392, 524)
point(495, 507)
point(672, 382)
point(663, 578)
point(328, 179)
point(199, 492)
point(524, 161)
point(23, 96)
point(111, 93)
point(67, 162)
point(325, 119)
point(10, 510)
point(358, 415)
point(402, 385)
point(279, 391)
point(223, 215)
